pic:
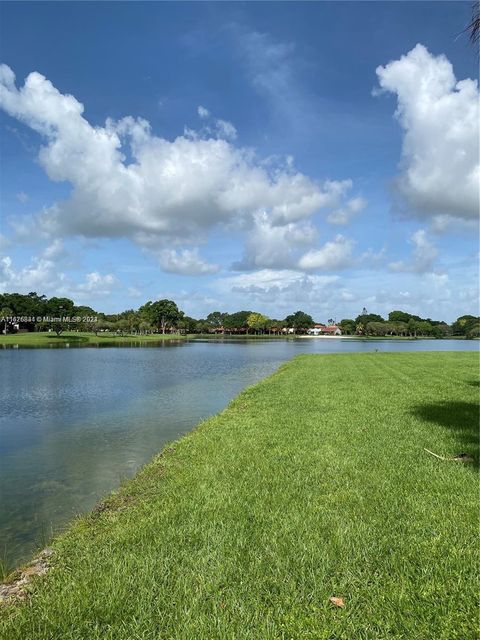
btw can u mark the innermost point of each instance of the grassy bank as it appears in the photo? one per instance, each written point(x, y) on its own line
point(311, 484)
point(46, 339)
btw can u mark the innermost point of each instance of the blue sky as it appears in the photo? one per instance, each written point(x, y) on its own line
point(270, 156)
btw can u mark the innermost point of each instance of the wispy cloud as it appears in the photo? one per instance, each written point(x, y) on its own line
point(273, 69)
point(423, 255)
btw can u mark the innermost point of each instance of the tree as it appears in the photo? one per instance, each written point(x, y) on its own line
point(59, 308)
point(414, 327)
point(237, 321)
point(162, 314)
point(299, 320)
point(202, 326)
point(363, 319)
point(257, 322)
point(102, 325)
point(399, 316)
point(347, 326)
point(121, 326)
point(85, 312)
point(216, 319)
point(275, 326)
point(473, 28)
point(464, 324)
point(440, 330)
point(425, 328)
point(145, 327)
point(376, 328)
point(399, 328)
point(187, 325)
point(368, 317)
point(31, 305)
point(474, 332)
point(132, 319)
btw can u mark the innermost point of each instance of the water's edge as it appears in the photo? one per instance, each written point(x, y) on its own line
point(75, 424)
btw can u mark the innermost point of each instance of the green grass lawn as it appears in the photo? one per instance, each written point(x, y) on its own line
point(313, 483)
point(46, 339)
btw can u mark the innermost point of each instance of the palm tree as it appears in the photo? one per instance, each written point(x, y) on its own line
point(473, 28)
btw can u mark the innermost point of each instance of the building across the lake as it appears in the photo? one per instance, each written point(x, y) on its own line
point(325, 330)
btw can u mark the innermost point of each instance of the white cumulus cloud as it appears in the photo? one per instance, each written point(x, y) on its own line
point(283, 289)
point(43, 275)
point(95, 284)
point(345, 214)
point(439, 169)
point(335, 254)
point(167, 191)
point(272, 246)
point(185, 262)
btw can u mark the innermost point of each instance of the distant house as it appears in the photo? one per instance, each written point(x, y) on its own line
point(217, 330)
point(276, 330)
point(325, 330)
point(23, 327)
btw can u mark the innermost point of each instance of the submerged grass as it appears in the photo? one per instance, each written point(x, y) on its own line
point(313, 483)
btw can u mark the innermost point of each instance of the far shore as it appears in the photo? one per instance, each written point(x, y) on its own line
point(330, 337)
point(77, 339)
point(343, 337)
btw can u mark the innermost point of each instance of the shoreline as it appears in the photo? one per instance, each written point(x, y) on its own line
point(85, 339)
point(411, 338)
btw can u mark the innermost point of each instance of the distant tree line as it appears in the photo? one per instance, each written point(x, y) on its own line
point(401, 323)
point(39, 313)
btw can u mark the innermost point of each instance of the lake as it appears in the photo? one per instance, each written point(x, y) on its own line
point(75, 422)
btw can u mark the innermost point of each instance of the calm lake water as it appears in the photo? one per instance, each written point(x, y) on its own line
point(75, 422)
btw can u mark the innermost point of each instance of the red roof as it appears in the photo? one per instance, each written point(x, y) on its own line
point(323, 327)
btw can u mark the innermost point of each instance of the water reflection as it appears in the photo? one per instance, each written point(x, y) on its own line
point(104, 344)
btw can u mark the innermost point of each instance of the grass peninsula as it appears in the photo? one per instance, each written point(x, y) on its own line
point(312, 484)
